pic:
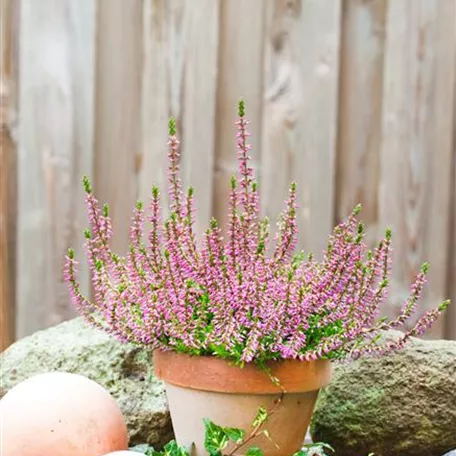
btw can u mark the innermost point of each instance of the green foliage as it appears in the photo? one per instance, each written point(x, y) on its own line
point(260, 418)
point(172, 126)
point(388, 233)
point(155, 191)
point(315, 449)
point(297, 259)
point(444, 305)
point(170, 449)
point(87, 184)
point(241, 108)
point(316, 332)
point(254, 451)
point(235, 434)
point(217, 437)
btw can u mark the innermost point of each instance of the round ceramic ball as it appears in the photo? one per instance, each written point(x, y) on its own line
point(60, 414)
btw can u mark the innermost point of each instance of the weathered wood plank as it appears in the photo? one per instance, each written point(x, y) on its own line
point(240, 75)
point(360, 102)
point(7, 231)
point(282, 102)
point(417, 143)
point(450, 318)
point(55, 131)
point(179, 80)
point(118, 110)
point(301, 112)
point(8, 170)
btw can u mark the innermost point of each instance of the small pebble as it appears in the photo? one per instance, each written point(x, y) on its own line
point(451, 453)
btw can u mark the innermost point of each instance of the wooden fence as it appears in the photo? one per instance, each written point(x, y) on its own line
point(354, 99)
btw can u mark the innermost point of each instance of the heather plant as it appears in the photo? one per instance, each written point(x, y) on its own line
point(246, 298)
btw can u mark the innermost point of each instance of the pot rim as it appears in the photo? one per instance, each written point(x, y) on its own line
point(209, 373)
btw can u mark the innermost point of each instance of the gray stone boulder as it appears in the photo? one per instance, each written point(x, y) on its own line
point(401, 404)
point(124, 370)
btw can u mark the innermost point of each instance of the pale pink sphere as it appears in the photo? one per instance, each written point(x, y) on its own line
point(60, 414)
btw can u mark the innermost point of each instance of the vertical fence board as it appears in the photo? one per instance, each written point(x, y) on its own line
point(8, 170)
point(361, 72)
point(118, 110)
point(240, 65)
point(55, 149)
point(179, 80)
point(416, 143)
point(302, 104)
point(318, 34)
point(282, 102)
point(155, 102)
point(450, 330)
point(82, 28)
point(199, 103)
point(7, 206)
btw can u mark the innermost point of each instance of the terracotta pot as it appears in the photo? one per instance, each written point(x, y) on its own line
point(207, 387)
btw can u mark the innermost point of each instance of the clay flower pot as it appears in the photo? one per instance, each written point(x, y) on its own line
point(201, 387)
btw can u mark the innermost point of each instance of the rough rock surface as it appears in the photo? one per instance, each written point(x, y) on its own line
point(401, 404)
point(125, 371)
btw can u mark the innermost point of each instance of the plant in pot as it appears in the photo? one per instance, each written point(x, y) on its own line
point(242, 327)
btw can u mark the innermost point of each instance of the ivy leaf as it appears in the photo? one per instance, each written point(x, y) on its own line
point(170, 449)
point(234, 434)
point(216, 438)
point(254, 451)
point(261, 417)
point(325, 446)
point(314, 449)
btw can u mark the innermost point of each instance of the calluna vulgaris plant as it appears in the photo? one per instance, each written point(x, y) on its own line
point(243, 299)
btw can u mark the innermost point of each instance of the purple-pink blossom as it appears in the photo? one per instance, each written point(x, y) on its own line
point(248, 297)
